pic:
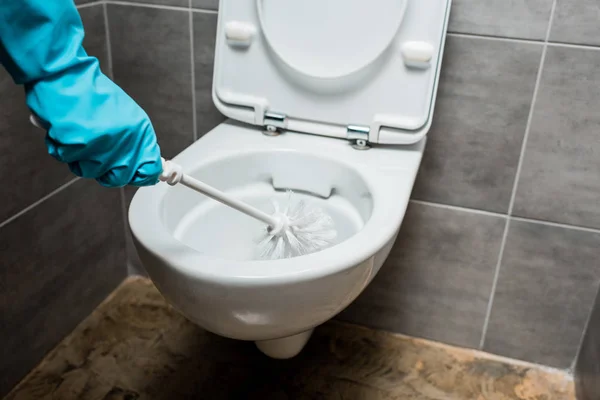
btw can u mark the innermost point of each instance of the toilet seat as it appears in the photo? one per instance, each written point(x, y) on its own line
point(329, 50)
point(383, 171)
point(347, 69)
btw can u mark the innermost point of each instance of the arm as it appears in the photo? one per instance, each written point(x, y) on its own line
point(92, 124)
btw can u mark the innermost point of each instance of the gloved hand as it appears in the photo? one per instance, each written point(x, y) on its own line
point(92, 124)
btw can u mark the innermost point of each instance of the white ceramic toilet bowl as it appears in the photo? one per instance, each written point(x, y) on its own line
point(199, 253)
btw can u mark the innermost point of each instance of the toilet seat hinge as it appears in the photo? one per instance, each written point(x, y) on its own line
point(274, 122)
point(359, 135)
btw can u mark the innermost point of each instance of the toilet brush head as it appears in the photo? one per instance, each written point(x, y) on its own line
point(303, 229)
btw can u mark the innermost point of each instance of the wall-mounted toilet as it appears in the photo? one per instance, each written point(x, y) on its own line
point(331, 99)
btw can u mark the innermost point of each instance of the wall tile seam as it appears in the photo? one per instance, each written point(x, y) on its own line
point(574, 46)
point(494, 38)
point(107, 40)
point(122, 197)
point(204, 11)
point(554, 43)
point(193, 73)
point(525, 41)
point(493, 289)
point(506, 216)
point(38, 202)
point(500, 259)
point(131, 269)
point(187, 8)
point(125, 221)
point(90, 4)
point(585, 331)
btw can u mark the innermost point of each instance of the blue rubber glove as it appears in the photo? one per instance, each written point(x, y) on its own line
point(92, 124)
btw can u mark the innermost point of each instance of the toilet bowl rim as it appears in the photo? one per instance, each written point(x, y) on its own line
point(380, 228)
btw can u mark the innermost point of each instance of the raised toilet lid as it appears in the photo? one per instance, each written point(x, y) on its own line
point(341, 68)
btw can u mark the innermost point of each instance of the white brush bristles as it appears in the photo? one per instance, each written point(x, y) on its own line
point(305, 230)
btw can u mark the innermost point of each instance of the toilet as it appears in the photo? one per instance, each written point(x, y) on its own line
point(331, 100)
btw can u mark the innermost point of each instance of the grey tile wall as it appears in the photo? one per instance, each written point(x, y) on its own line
point(545, 291)
point(62, 256)
point(94, 40)
point(151, 60)
point(24, 155)
point(484, 98)
point(560, 179)
point(437, 280)
point(587, 368)
point(134, 78)
point(576, 21)
point(207, 115)
point(206, 4)
point(134, 265)
point(25, 158)
point(173, 3)
point(151, 55)
point(59, 261)
point(526, 19)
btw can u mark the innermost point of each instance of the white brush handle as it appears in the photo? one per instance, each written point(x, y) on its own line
point(173, 174)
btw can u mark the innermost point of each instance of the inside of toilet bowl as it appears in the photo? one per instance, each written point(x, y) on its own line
point(259, 178)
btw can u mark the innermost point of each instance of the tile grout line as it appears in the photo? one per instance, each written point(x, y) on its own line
point(555, 224)
point(585, 330)
point(530, 117)
point(159, 6)
point(108, 45)
point(574, 46)
point(459, 208)
point(146, 5)
point(505, 216)
point(525, 41)
point(125, 230)
point(204, 11)
point(91, 4)
point(121, 190)
point(193, 65)
point(516, 181)
point(488, 311)
point(495, 38)
point(38, 202)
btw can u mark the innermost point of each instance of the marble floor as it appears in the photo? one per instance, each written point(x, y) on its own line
point(135, 346)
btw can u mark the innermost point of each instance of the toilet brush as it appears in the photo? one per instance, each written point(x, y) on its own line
point(292, 231)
